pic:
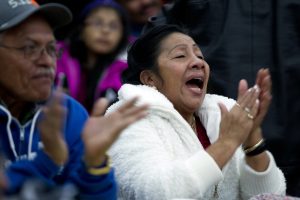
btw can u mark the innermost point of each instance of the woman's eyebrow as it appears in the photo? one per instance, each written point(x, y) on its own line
point(177, 46)
point(196, 46)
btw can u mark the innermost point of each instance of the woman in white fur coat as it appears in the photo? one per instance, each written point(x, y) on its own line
point(191, 145)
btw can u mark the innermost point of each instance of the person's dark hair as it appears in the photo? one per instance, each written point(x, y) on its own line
point(144, 52)
point(77, 47)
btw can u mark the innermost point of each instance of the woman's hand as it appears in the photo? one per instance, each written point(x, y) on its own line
point(101, 131)
point(263, 81)
point(237, 123)
point(260, 162)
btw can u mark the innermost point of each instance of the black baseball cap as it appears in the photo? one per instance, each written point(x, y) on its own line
point(13, 12)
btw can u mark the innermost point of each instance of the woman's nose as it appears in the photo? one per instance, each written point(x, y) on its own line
point(197, 62)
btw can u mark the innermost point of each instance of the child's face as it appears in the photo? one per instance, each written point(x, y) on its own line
point(103, 30)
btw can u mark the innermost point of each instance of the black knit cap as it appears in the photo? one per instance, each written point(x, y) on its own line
point(13, 12)
point(99, 3)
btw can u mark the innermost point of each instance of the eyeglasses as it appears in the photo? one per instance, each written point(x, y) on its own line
point(98, 24)
point(33, 52)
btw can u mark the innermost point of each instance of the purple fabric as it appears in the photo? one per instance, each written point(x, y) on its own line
point(112, 77)
point(70, 66)
point(273, 197)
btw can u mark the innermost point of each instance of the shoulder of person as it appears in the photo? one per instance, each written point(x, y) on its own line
point(119, 65)
point(146, 94)
point(74, 107)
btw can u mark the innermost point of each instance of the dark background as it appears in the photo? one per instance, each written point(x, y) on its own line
point(75, 6)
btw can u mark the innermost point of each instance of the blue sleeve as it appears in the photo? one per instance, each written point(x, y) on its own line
point(95, 187)
point(89, 186)
point(42, 168)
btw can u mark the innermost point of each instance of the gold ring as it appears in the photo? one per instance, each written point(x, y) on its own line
point(247, 109)
point(250, 116)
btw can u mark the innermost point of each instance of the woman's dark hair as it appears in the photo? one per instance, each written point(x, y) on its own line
point(144, 52)
point(77, 47)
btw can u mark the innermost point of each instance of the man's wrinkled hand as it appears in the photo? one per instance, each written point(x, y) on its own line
point(51, 127)
point(101, 131)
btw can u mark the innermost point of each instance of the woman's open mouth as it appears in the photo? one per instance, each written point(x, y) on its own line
point(195, 84)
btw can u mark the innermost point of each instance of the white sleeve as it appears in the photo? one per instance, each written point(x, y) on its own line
point(253, 183)
point(145, 168)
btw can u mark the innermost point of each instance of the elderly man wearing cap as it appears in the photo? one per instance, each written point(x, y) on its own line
point(43, 133)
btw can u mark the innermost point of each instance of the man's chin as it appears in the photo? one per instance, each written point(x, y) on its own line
point(41, 97)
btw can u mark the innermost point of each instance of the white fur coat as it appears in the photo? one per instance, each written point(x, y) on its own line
point(160, 157)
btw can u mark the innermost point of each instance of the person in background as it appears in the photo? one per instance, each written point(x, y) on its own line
point(191, 144)
point(139, 12)
point(45, 134)
point(90, 59)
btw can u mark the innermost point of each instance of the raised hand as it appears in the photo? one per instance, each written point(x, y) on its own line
point(237, 123)
point(260, 161)
point(263, 80)
point(101, 131)
point(51, 127)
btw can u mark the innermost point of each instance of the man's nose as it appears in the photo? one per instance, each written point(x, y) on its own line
point(45, 58)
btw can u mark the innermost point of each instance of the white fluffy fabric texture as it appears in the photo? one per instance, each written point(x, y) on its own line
point(160, 157)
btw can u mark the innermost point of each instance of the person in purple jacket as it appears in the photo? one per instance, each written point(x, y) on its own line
point(91, 57)
point(45, 134)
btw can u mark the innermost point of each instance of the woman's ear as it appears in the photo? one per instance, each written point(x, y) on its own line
point(147, 77)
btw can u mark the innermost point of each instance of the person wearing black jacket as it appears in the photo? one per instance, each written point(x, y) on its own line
point(237, 37)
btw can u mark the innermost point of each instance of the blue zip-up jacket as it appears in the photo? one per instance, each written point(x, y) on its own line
point(25, 158)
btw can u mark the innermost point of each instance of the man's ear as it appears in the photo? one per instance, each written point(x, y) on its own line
point(147, 77)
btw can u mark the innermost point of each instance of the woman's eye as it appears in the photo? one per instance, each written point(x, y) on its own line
point(180, 56)
point(201, 57)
